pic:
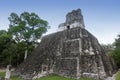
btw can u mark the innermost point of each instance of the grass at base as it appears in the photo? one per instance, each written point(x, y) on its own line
point(2, 75)
point(56, 77)
point(118, 76)
point(51, 77)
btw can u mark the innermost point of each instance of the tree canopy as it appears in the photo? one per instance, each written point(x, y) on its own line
point(27, 27)
point(23, 34)
point(116, 52)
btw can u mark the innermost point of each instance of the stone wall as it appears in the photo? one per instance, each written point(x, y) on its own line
point(70, 53)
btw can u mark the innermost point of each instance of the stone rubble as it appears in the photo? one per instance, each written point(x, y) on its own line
point(111, 78)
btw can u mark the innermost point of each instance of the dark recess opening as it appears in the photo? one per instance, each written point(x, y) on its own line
point(68, 27)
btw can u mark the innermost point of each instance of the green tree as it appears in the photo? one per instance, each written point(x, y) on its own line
point(2, 32)
point(27, 28)
point(5, 39)
point(116, 52)
point(117, 42)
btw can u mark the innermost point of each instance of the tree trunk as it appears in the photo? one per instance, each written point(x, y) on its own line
point(8, 72)
point(25, 56)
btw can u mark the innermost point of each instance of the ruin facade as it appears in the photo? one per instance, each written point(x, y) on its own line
point(71, 52)
point(73, 19)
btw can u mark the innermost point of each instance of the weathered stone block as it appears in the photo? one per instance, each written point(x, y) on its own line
point(71, 48)
point(66, 68)
point(71, 35)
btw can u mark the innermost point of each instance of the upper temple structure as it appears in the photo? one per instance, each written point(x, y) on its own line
point(73, 19)
point(71, 52)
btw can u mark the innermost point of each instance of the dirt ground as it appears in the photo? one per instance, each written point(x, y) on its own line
point(3, 69)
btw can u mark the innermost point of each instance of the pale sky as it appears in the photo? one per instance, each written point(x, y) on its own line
point(101, 17)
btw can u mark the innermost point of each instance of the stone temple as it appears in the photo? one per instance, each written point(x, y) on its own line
point(71, 52)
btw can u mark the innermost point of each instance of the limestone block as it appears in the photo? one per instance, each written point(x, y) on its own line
point(71, 48)
point(66, 67)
